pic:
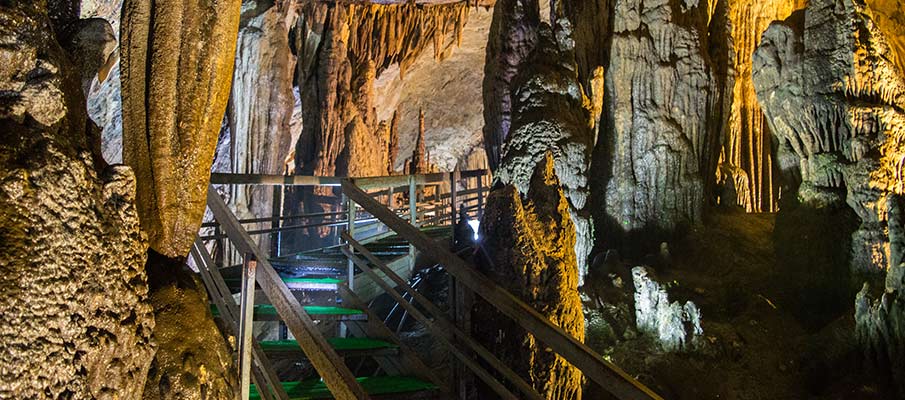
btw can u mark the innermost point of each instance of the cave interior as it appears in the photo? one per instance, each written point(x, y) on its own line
point(437, 199)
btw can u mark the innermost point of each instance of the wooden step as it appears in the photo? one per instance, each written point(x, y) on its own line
point(345, 346)
point(267, 312)
point(300, 284)
point(375, 386)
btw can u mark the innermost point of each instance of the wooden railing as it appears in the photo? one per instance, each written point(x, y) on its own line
point(335, 374)
point(594, 366)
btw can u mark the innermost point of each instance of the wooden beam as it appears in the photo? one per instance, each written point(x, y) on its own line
point(607, 375)
point(329, 365)
point(450, 330)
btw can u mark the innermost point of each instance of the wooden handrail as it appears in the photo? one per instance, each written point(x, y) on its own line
point(363, 182)
point(610, 377)
point(336, 375)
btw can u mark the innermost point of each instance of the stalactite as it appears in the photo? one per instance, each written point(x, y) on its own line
point(177, 60)
point(746, 156)
point(342, 49)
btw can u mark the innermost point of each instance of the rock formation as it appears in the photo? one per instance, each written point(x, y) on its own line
point(261, 103)
point(746, 159)
point(675, 326)
point(834, 99)
point(513, 35)
point(829, 82)
point(659, 132)
point(547, 114)
point(176, 62)
point(342, 48)
point(529, 241)
point(76, 322)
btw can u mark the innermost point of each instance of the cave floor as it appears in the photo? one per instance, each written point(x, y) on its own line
point(755, 347)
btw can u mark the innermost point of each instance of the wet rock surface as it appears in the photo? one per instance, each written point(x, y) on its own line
point(76, 319)
point(529, 241)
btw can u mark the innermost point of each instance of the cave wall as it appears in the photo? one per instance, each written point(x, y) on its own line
point(76, 316)
point(661, 122)
point(746, 158)
point(834, 97)
point(342, 49)
point(261, 105)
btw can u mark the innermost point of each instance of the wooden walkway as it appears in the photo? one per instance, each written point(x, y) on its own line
point(321, 296)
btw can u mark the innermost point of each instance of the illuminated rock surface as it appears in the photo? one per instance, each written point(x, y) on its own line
point(530, 241)
point(76, 321)
point(171, 117)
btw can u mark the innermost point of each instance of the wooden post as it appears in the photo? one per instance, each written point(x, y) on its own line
point(453, 189)
point(275, 221)
point(246, 324)
point(480, 212)
point(350, 267)
point(413, 217)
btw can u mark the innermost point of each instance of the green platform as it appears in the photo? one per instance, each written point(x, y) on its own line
point(381, 385)
point(270, 310)
point(338, 343)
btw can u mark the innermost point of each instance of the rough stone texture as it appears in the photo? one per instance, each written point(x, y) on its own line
point(675, 326)
point(177, 60)
point(76, 322)
point(547, 114)
point(659, 135)
point(261, 104)
point(834, 99)
point(193, 361)
point(529, 241)
point(746, 159)
point(513, 35)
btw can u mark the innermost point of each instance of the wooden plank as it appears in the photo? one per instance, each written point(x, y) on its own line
point(260, 179)
point(451, 330)
point(607, 375)
point(441, 333)
point(329, 365)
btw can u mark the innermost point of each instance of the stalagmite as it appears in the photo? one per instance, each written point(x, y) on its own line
point(529, 243)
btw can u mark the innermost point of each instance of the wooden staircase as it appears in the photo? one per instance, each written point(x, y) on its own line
point(319, 281)
point(321, 296)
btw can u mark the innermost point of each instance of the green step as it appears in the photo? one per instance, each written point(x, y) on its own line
point(270, 310)
point(238, 281)
point(377, 385)
point(340, 344)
